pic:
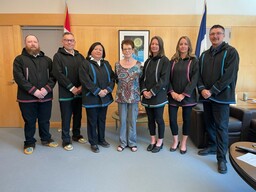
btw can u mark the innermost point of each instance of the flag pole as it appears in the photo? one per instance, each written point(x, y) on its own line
point(201, 44)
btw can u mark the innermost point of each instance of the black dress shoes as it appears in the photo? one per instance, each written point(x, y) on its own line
point(174, 149)
point(104, 144)
point(183, 151)
point(151, 147)
point(95, 148)
point(157, 148)
point(207, 151)
point(222, 167)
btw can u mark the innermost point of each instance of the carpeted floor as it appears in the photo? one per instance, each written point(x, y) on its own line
point(80, 170)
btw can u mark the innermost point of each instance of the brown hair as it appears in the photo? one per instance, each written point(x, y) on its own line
point(161, 46)
point(127, 42)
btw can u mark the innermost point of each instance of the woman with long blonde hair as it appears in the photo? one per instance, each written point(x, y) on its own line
point(182, 90)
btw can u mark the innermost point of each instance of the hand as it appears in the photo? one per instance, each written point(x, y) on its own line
point(180, 97)
point(102, 93)
point(147, 94)
point(206, 93)
point(44, 91)
point(79, 90)
point(75, 91)
point(106, 91)
point(174, 95)
point(38, 94)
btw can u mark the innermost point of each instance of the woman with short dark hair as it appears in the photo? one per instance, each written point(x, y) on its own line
point(128, 72)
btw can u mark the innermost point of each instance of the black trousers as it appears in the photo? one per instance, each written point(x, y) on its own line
point(155, 115)
point(32, 112)
point(216, 118)
point(69, 108)
point(96, 124)
point(186, 117)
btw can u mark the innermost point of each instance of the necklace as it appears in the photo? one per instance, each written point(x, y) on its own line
point(127, 63)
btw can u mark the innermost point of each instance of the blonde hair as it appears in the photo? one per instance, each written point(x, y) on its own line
point(176, 56)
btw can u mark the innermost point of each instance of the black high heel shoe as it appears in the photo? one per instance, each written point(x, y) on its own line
point(157, 148)
point(151, 147)
point(174, 149)
point(183, 152)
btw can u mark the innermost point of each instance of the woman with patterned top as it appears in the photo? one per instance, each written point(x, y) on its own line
point(128, 72)
point(182, 90)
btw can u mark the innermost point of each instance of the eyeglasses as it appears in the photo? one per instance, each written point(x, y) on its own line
point(218, 33)
point(127, 49)
point(69, 40)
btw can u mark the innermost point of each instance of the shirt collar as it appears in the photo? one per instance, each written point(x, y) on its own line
point(216, 49)
point(36, 55)
point(98, 62)
point(72, 52)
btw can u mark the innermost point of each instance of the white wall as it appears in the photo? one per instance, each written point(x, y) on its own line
point(151, 7)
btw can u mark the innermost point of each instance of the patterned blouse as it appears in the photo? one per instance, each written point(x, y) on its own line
point(128, 90)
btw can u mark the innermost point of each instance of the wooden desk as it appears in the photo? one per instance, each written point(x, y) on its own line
point(142, 118)
point(249, 104)
point(246, 171)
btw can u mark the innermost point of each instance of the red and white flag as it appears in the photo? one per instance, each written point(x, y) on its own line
point(67, 22)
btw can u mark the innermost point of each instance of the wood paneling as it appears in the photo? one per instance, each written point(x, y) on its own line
point(10, 47)
point(125, 20)
point(243, 39)
point(104, 28)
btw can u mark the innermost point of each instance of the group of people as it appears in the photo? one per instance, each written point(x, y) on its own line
point(89, 82)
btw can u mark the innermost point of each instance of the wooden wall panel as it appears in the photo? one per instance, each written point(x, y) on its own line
point(243, 39)
point(104, 28)
point(125, 20)
point(10, 47)
point(108, 36)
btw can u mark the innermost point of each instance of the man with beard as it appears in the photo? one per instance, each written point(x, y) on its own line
point(32, 72)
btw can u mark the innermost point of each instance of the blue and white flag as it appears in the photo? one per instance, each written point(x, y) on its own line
point(201, 44)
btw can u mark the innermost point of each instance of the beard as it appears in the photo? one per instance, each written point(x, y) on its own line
point(33, 50)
